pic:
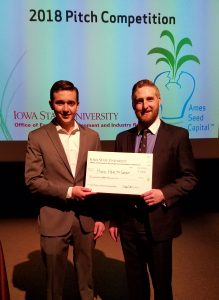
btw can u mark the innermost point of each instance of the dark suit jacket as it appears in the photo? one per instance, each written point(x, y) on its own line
point(48, 177)
point(173, 173)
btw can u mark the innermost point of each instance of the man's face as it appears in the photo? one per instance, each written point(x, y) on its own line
point(65, 107)
point(146, 105)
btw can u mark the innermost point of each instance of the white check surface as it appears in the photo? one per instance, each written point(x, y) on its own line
point(119, 172)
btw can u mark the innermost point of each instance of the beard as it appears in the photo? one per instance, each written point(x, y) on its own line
point(147, 118)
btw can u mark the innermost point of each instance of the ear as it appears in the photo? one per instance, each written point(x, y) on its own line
point(159, 101)
point(51, 104)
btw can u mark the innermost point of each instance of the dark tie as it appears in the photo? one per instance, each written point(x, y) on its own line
point(143, 143)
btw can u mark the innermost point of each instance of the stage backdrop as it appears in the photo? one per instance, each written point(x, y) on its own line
point(104, 47)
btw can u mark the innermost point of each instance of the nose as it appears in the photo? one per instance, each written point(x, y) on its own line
point(65, 107)
point(145, 104)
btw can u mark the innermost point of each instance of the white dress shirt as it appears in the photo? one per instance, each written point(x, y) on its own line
point(70, 142)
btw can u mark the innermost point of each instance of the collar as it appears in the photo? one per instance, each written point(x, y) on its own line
point(153, 128)
point(62, 130)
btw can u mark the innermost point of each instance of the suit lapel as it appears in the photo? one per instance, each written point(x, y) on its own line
point(130, 142)
point(161, 140)
point(54, 137)
point(82, 153)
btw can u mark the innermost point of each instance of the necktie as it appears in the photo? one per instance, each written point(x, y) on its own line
point(143, 143)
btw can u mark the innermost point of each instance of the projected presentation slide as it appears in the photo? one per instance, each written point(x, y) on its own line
point(104, 47)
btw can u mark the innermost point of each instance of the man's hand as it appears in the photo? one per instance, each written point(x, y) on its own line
point(99, 228)
point(114, 231)
point(80, 192)
point(153, 197)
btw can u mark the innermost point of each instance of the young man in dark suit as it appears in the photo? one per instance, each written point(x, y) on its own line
point(55, 173)
point(148, 223)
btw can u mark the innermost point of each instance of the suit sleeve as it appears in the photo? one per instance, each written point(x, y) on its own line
point(181, 175)
point(37, 177)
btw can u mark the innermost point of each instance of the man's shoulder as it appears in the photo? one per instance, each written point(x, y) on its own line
point(127, 132)
point(41, 129)
point(173, 128)
point(173, 131)
point(87, 130)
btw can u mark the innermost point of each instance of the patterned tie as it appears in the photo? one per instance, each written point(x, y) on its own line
point(143, 143)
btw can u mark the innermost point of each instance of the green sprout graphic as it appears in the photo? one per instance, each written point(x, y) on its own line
point(171, 58)
point(5, 101)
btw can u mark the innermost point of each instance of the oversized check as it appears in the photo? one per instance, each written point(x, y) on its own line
point(119, 172)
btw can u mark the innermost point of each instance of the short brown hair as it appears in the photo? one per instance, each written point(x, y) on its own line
point(63, 85)
point(144, 82)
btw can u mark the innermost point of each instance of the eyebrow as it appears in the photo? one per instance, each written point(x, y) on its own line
point(62, 100)
point(142, 98)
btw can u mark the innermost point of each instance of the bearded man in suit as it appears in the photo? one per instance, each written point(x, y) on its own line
point(55, 168)
point(148, 223)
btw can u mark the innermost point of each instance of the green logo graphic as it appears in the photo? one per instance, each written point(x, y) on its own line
point(177, 86)
point(6, 99)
